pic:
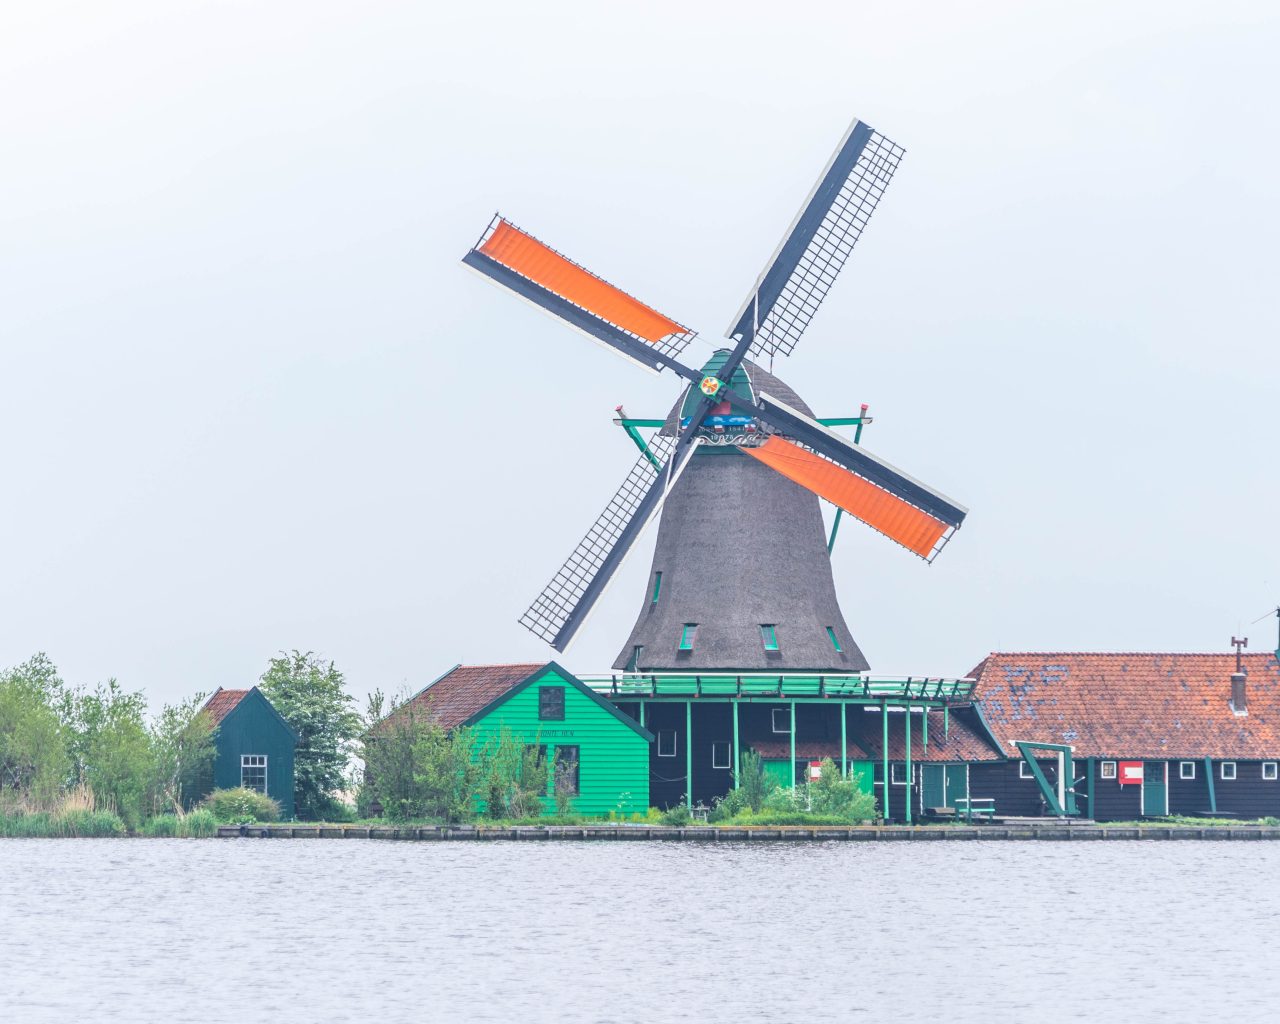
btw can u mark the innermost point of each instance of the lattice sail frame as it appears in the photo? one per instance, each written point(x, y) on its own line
point(829, 248)
point(671, 345)
point(551, 609)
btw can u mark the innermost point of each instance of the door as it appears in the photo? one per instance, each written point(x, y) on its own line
point(933, 785)
point(1155, 788)
point(957, 783)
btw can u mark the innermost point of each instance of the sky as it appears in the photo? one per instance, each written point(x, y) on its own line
point(250, 400)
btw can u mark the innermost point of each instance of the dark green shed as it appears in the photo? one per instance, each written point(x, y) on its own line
point(254, 746)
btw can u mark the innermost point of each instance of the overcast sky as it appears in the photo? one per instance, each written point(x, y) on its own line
point(252, 401)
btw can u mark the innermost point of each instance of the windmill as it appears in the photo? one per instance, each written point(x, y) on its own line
point(747, 579)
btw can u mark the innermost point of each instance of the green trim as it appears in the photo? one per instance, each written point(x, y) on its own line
point(657, 586)
point(835, 526)
point(769, 634)
point(844, 741)
point(567, 677)
point(1213, 795)
point(831, 635)
point(640, 443)
point(688, 753)
point(686, 636)
point(1089, 788)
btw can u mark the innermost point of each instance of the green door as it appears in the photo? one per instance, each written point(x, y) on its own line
point(865, 773)
point(934, 783)
point(1155, 794)
point(957, 783)
point(782, 771)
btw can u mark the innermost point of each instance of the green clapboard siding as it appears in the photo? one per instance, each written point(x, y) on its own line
point(613, 759)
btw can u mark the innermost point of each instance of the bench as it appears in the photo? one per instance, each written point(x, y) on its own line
point(975, 808)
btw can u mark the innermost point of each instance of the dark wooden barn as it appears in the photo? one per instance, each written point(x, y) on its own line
point(1152, 734)
point(254, 746)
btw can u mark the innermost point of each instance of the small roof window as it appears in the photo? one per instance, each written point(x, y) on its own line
point(686, 636)
point(769, 634)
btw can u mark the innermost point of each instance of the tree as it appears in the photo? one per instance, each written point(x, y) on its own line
point(182, 752)
point(110, 746)
point(309, 694)
point(34, 764)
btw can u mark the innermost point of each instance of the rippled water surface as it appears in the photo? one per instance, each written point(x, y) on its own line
point(309, 930)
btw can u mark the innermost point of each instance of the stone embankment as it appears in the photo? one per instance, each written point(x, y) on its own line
point(860, 833)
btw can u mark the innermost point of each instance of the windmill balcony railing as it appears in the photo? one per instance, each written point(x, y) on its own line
point(659, 685)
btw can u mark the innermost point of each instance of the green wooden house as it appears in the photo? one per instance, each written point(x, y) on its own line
point(543, 705)
point(254, 746)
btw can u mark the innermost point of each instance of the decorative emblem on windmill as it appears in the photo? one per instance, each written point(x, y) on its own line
point(742, 577)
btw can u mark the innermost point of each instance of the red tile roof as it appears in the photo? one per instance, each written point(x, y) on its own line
point(813, 750)
point(464, 690)
point(223, 702)
point(1132, 705)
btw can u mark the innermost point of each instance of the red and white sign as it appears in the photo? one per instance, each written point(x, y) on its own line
point(815, 770)
point(1130, 773)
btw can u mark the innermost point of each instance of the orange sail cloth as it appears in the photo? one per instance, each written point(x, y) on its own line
point(896, 519)
point(543, 265)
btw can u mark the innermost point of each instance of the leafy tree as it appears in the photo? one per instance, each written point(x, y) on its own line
point(110, 746)
point(514, 776)
point(182, 750)
point(308, 692)
point(34, 764)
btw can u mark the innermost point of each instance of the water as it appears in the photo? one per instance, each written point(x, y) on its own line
point(297, 930)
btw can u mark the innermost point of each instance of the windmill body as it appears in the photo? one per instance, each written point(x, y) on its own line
point(741, 579)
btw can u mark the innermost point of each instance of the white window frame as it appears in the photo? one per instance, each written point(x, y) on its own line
point(786, 729)
point(1186, 769)
point(254, 761)
point(721, 746)
point(674, 742)
point(1108, 770)
point(1222, 771)
point(896, 772)
point(1269, 772)
point(1024, 769)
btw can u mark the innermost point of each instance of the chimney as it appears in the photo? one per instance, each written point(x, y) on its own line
point(1239, 693)
point(1240, 680)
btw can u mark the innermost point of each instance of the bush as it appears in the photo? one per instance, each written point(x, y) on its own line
point(677, 816)
point(162, 826)
point(241, 806)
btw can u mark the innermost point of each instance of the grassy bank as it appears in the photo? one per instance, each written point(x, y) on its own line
point(75, 824)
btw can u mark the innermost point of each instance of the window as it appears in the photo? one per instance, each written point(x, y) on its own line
point(666, 743)
point(551, 703)
point(1108, 770)
point(1024, 770)
point(1269, 771)
point(721, 754)
point(898, 774)
point(1227, 771)
point(253, 772)
point(657, 586)
point(1186, 769)
point(686, 636)
point(769, 634)
point(782, 720)
point(566, 770)
point(831, 635)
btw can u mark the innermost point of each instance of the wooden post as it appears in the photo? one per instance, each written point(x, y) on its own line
point(737, 758)
point(907, 716)
point(844, 739)
point(884, 752)
point(926, 728)
point(1089, 765)
point(642, 714)
point(793, 746)
point(688, 754)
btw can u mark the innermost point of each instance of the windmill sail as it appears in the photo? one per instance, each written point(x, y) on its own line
point(558, 612)
point(536, 272)
point(814, 250)
point(878, 507)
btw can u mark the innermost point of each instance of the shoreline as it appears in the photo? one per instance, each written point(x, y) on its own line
point(763, 833)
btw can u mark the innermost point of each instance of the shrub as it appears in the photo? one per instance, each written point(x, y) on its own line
point(162, 826)
point(199, 824)
point(241, 805)
point(753, 784)
point(678, 815)
point(62, 825)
